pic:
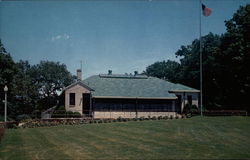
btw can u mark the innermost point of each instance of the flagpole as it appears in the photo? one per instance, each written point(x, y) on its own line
point(201, 103)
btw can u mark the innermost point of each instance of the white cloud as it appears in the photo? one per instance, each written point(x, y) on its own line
point(60, 37)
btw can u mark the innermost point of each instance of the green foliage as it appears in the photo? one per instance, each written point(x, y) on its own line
point(190, 109)
point(31, 88)
point(165, 70)
point(50, 77)
point(226, 57)
point(2, 130)
point(65, 114)
point(154, 118)
point(7, 67)
point(23, 117)
point(60, 108)
point(25, 91)
point(7, 72)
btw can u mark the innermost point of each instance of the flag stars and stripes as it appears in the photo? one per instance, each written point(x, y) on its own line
point(206, 11)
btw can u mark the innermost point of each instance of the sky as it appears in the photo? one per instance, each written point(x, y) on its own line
point(119, 35)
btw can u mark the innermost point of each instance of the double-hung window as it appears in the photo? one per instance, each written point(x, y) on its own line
point(72, 100)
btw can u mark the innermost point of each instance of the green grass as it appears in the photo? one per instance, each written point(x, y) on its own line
point(208, 137)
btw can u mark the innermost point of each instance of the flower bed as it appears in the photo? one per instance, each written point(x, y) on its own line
point(78, 121)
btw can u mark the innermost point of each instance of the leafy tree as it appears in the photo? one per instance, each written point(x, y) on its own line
point(190, 67)
point(165, 70)
point(25, 91)
point(7, 67)
point(22, 93)
point(7, 71)
point(31, 88)
point(234, 59)
point(226, 74)
point(50, 77)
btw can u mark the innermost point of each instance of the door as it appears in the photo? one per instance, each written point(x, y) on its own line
point(86, 103)
point(178, 104)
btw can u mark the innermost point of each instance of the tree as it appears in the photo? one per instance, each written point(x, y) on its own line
point(31, 87)
point(50, 77)
point(226, 74)
point(164, 70)
point(26, 93)
point(7, 67)
point(190, 67)
point(234, 59)
point(7, 71)
point(22, 94)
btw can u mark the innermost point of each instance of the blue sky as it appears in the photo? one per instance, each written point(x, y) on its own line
point(123, 36)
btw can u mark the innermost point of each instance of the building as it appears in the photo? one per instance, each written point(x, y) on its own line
point(129, 96)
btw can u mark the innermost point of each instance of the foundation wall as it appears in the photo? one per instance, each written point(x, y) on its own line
point(131, 114)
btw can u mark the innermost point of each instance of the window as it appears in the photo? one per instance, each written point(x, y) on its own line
point(72, 99)
point(189, 99)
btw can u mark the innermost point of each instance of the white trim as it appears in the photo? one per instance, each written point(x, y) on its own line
point(78, 83)
point(186, 91)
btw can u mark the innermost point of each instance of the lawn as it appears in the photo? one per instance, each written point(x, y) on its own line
point(208, 137)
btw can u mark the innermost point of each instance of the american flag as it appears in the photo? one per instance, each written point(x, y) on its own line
point(206, 11)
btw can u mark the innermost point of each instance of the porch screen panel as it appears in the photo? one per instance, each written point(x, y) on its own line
point(155, 106)
point(132, 105)
point(114, 105)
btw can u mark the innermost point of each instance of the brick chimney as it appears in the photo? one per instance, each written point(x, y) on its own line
point(79, 74)
point(109, 72)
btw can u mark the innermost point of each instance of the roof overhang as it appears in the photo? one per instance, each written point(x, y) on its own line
point(124, 97)
point(78, 83)
point(184, 91)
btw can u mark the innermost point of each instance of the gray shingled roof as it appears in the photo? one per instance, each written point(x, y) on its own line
point(132, 86)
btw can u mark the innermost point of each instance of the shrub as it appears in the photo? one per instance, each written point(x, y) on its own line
point(76, 115)
point(141, 118)
point(2, 130)
point(100, 121)
point(154, 118)
point(60, 108)
point(23, 117)
point(190, 109)
point(65, 114)
point(165, 117)
point(119, 119)
point(134, 119)
point(189, 115)
point(36, 114)
point(160, 117)
point(125, 120)
point(171, 117)
point(59, 114)
point(15, 126)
